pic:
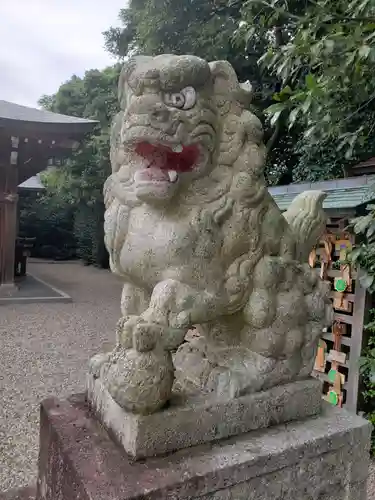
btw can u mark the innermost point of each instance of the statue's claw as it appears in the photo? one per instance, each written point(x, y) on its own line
point(135, 332)
point(145, 336)
point(124, 331)
point(96, 363)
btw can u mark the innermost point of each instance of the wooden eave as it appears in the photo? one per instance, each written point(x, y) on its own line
point(22, 121)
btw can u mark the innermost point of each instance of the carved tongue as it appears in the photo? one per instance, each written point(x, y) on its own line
point(168, 161)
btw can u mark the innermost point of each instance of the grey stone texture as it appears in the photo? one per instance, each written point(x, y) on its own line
point(188, 422)
point(321, 458)
point(199, 242)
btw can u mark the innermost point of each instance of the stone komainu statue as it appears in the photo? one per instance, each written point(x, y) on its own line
point(198, 240)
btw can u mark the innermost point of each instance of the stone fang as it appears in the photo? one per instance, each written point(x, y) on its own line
point(173, 175)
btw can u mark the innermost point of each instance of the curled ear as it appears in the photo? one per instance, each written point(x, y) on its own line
point(115, 141)
point(227, 87)
point(127, 69)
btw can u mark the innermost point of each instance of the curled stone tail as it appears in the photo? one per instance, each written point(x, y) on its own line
point(307, 220)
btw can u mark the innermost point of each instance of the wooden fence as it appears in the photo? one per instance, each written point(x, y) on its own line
point(338, 358)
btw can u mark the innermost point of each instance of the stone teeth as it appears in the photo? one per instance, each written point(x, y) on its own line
point(177, 148)
point(173, 175)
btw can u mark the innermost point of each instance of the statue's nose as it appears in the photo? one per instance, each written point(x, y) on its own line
point(160, 114)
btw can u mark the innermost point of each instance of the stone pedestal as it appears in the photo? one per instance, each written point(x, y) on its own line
point(321, 458)
point(192, 419)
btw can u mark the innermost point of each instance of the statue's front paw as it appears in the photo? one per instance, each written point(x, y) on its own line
point(96, 363)
point(146, 336)
point(182, 321)
point(172, 338)
point(124, 331)
point(135, 333)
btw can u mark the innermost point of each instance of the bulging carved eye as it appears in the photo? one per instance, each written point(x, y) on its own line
point(185, 99)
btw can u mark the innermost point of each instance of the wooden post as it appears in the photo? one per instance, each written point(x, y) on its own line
point(8, 218)
point(360, 318)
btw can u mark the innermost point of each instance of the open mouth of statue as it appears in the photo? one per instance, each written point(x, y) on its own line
point(166, 163)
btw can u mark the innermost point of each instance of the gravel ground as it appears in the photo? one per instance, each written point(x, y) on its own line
point(371, 483)
point(44, 349)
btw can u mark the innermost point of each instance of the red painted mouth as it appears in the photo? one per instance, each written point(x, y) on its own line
point(164, 158)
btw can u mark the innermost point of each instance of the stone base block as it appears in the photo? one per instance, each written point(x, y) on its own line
point(26, 493)
point(191, 421)
point(322, 458)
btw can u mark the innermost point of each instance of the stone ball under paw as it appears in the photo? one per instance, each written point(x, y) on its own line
point(140, 382)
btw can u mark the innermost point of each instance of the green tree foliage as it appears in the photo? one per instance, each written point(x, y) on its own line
point(74, 191)
point(50, 221)
point(363, 255)
point(323, 52)
point(367, 368)
point(203, 28)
